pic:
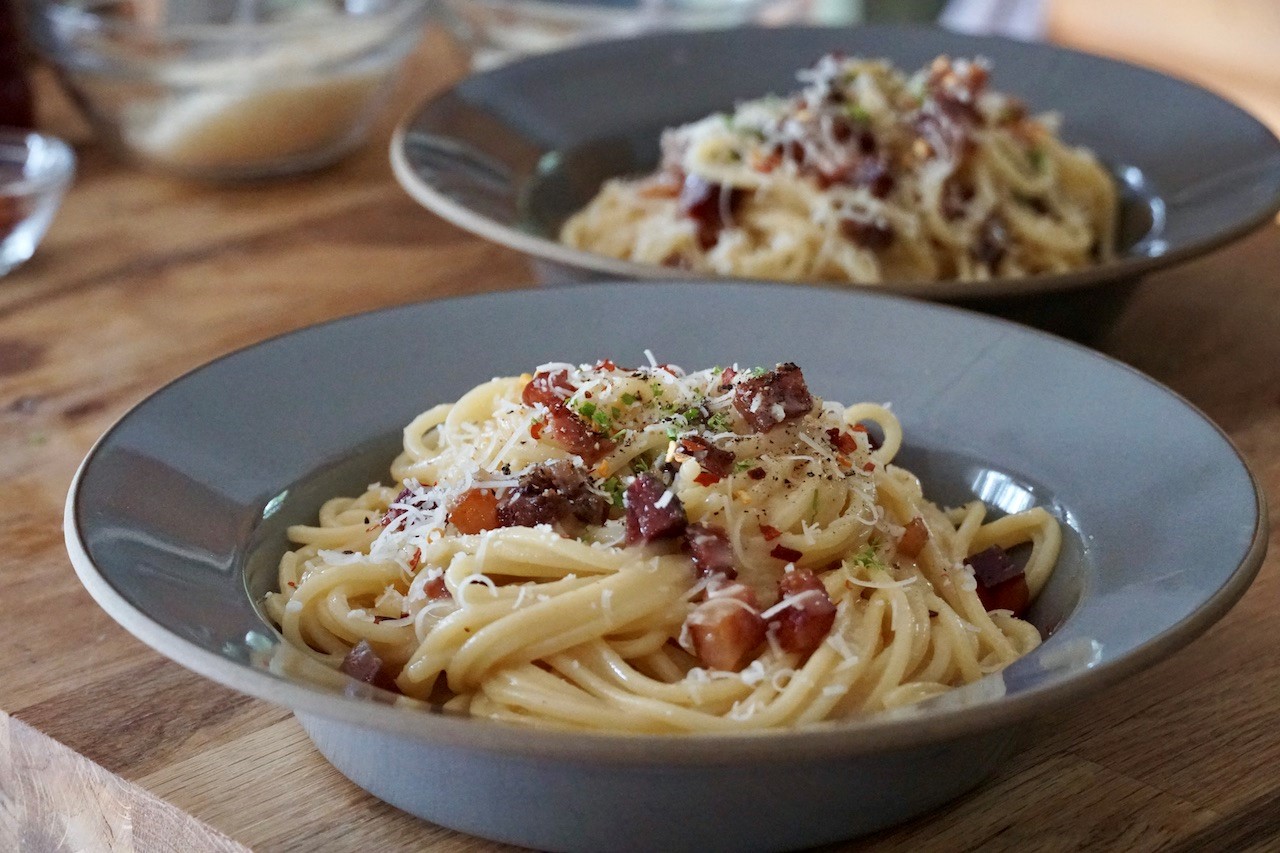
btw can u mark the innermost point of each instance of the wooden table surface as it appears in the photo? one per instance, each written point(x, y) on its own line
point(142, 278)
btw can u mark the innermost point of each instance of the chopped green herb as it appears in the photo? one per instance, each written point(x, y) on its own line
point(867, 557)
point(640, 464)
point(673, 432)
point(656, 387)
point(756, 372)
point(628, 399)
point(717, 370)
point(691, 415)
point(742, 465)
point(594, 414)
point(615, 489)
point(719, 422)
point(858, 113)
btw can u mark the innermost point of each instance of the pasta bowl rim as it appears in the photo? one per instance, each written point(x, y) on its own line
point(869, 735)
point(1124, 267)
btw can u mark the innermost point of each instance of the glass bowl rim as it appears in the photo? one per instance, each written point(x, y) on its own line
point(77, 16)
point(56, 172)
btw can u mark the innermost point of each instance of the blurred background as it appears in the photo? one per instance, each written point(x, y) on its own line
point(220, 89)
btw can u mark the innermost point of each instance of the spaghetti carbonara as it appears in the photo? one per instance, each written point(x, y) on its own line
point(864, 176)
point(643, 549)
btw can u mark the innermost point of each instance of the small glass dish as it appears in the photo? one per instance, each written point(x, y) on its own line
point(35, 171)
point(497, 31)
point(229, 89)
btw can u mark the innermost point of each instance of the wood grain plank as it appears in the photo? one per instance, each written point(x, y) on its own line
point(1019, 811)
point(53, 800)
point(251, 783)
point(138, 701)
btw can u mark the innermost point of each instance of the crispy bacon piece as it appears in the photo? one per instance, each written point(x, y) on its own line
point(711, 551)
point(993, 241)
point(711, 205)
point(874, 174)
point(716, 463)
point(475, 512)
point(363, 664)
point(941, 133)
point(871, 234)
point(726, 628)
point(548, 388)
point(563, 426)
point(726, 378)
point(913, 539)
point(646, 520)
point(955, 198)
point(804, 623)
point(1001, 584)
point(552, 493)
point(436, 588)
point(955, 86)
point(777, 396)
point(868, 170)
point(782, 552)
point(575, 435)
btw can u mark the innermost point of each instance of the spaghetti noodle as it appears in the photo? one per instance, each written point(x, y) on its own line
point(864, 176)
point(645, 549)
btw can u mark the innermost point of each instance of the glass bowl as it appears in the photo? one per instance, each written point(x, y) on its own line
point(229, 88)
point(497, 31)
point(35, 171)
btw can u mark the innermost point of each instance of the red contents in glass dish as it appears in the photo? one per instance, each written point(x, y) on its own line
point(17, 108)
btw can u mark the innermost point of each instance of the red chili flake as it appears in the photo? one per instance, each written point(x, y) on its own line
point(782, 552)
point(415, 559)
point(378, 618)
point(606, 364)
point(756, 473)
point(869, 466)
point(872, 439)
point(770, 533)
point(669, 369)
point(292, 585)
point(842, 441)
point(535, 429)
point(706, 478)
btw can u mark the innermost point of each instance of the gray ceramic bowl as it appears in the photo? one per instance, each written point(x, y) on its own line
point(509, 154)
point(175, 523)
